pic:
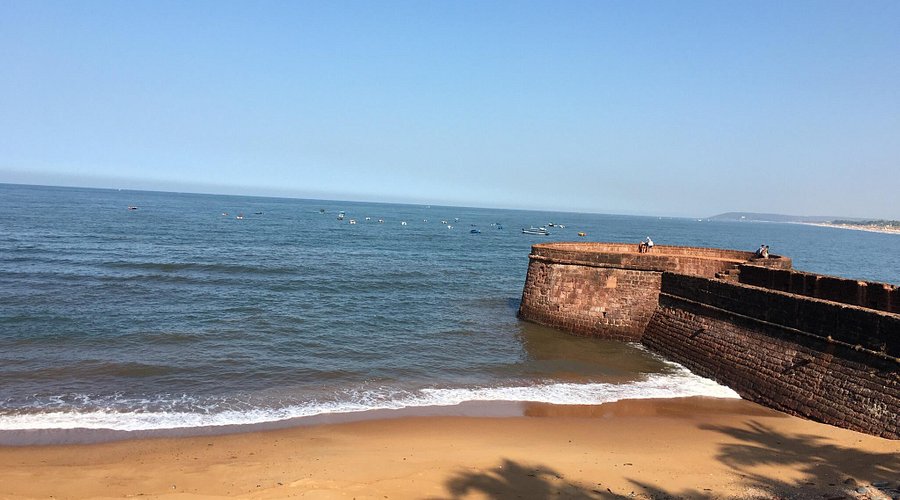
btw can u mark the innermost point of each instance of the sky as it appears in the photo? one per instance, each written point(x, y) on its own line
point(687, 108)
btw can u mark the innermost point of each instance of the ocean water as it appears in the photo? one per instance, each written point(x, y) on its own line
point(181, 315)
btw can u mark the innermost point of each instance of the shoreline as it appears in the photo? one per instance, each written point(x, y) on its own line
point(869, 229)
point(684, 447)
point(498, 401)
point(90, 436)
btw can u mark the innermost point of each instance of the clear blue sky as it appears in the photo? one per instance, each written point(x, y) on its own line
point(667, 108)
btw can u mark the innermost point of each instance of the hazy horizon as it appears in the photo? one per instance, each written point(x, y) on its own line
point(331, 199)
point(652, 108)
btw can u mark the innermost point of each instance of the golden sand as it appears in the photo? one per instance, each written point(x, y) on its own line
point(695, 447)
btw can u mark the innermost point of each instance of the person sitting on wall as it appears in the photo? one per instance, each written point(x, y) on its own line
point(765, 252)
point(760, 250)
point(642, 247)
point(648, 244)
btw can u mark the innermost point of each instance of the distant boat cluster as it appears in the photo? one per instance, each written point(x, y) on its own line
point(474, 229)
point(543, 231)
point(342, 215)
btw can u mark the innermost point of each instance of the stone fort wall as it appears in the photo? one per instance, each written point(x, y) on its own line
point(830, 354)
point(610, 290)
point(866, 294)
point(822, 360)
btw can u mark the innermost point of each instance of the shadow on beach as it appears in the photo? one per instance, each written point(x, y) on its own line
point(513, 479)
point(827, 471)
point(826, 468)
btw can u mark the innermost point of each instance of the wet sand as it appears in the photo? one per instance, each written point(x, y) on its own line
point(692, 447)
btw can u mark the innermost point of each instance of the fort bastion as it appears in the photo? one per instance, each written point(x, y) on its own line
point(820, 347)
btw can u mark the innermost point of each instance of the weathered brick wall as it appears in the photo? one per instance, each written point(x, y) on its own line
point(769, 337)
point(826, 361)
point(609, 290)
point(880, 296)
point(605, 302)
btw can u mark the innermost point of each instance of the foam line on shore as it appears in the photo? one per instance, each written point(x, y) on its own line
point(680, 384)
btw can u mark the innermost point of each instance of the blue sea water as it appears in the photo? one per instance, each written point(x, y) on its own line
point(180, 314)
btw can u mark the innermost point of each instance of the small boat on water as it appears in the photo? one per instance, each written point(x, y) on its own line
point(542, 231)
point(340, 215)
point(475, 231)
point(132, 207)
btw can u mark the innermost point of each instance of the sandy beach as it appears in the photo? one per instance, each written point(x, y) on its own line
point(693, 447)
point(870, 228)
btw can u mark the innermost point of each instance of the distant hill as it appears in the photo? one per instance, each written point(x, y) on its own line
point(757, 217)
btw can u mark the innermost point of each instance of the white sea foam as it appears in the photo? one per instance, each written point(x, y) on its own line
point(680, 384)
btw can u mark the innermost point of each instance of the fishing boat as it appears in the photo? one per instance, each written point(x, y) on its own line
point(340, 215)
point(536, 230)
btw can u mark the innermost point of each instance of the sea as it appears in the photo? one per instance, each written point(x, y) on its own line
point(132, 312)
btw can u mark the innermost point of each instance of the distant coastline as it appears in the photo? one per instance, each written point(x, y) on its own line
point(872, 228)
point(858, 224)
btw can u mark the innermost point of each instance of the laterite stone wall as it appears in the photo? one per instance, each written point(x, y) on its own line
point(609, 290)
point(604, 302)
point(880, 296)
point(822, 360)
point(820, 347)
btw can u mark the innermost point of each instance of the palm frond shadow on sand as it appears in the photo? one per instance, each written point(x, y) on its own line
point(512, 479)
point(823, 466)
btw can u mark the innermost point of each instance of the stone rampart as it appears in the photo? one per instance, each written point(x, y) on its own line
point(821, 347)
point(867, 294)
point(685, 260)
point(606, 302)
point(610, 290)
point(827, 361)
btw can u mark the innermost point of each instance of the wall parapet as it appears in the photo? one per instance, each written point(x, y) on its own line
point(853, 326)
point(868, 294)
point(687, 260)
